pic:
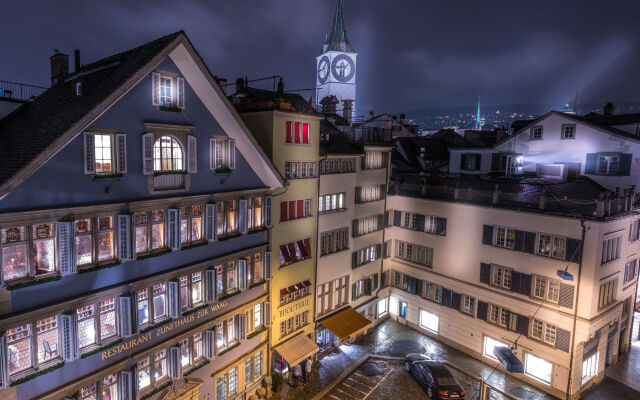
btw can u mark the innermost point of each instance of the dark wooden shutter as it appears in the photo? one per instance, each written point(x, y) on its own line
point(563, 339)
point(625, 164)
point(565, 299)
point(354, 228)
point(525, 287)
point(446, 297)
point(397, 217)
point(421, 219)
point(380, 222)
point(284, 207)
point(367, 286)
point(478, 162)
point(463, 161)
point(590, 165)
point(353, 291)
point(383, 192)
point(358, 194)
point(441, 226)
point(487, 234)
point(495, 162)
point(519, 240)
point(354, 260)
point(485, 273)
point(522, 325)
point(482, 310)
point(529, 242)
point(375, 281)
point(385, 159)
point(516, 282)
point(456, 299)
point(573, 252)
point(378, 250)
point(418, 287)
point(387, 221)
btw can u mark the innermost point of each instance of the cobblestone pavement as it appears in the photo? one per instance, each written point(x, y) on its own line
point(380, 340)
point(609, 389)
point(627, 369)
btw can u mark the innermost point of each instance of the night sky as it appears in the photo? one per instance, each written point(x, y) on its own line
point(411, 53)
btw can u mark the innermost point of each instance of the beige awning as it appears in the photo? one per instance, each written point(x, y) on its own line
point(346, 324)
point(297, 349)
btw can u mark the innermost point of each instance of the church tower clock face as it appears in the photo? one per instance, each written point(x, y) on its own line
point(343, 68)
point(323, 69)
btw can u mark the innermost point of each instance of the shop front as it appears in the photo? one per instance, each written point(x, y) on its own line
point(341, 326)
point(292, 352)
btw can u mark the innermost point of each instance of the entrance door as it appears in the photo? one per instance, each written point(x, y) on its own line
point(621, 342)
point(608, 354)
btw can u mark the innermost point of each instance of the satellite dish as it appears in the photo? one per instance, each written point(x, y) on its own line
point(508, 360)
point(565, 274)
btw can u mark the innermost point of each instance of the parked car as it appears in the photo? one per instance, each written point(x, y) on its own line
point(433, 376)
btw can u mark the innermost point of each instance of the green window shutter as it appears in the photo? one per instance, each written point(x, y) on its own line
point(354, 229)
point(358, 194)
point(380, 222)
point(378, 251)
point(354, 260)
point(385, 157)
point(363, 164)
point(383, 190)
point(353, 292)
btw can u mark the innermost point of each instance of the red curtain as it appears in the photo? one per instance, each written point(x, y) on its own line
point(297, 137)
point(305, 133)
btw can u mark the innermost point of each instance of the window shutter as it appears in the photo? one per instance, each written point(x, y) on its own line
point(266, 265)
point(244, 216)
point(383, 190)
point(421, 222)
point(155, 88)
point(3, 366)
point(242, 274)
point(482, 310)
point(367, 286)
point(529, 242)
point(573, 252)
point(210, 222)
point(121, 153)
point(210, 291)
point(212, 154)
point(284, 211)
point(522, 324)
point(363, 163)
point(397, 217)
point(590, 164)
point(124, 238)
point(563, 339)
point(446, 297)
point(173, 294)
point(380, 222)
point(267, 313)
point(516, 282)
point(625, 164)
point(519, 240)
point(495, 162)
point(353, 292)
point(485, 273)
point(487, 234)
point(375, 281)
point(456, 299)
point(354, 228)
point(358, 194)
point(209, 344)
point(89, 153)
point(147, 153)
point(125, 385)
point(386, 251)
point(385, 159)
point(66, 248)
point(441, 226)
point(242, 327)
point(180, 84)
point(125, 322)
point(174, 229)
point(378, 250)
point(267, 210)
point(231, 153)
point(354, 260)
point(175, 367)
point(525, 287)
point(565, 298)
point(69, 337)
point(192, 154)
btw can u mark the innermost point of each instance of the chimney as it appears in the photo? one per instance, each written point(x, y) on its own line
point(59, 67)
point(347, 111)
point(371, 114)
point(608, 109)
point(239, 84)
point(329, 103)
point(280, 90)
point(402, 118)
point(76, 60)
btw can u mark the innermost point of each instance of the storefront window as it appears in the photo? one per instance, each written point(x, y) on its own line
point(143, 373)
point(160, 364)
point(142, 298)
point(47, 336)
point(84, 242)
point(88, 392)
point(44, 248)
point(19, 348)
point(106, 248)
point(489, 344)
point(159, 301)
point(538, 368)
point(14, 253)
point(382, 307)
point(196, 288)
point(86, 326)
point(107, 318)
point(110, 387)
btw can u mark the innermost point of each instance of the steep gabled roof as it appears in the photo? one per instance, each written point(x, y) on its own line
point(338, 33)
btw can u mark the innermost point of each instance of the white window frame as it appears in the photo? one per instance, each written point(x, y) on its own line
point(568, 131)
point(535, 371)
point(509, 237)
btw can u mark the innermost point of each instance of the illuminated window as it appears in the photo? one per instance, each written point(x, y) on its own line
point(110, 387)
point(107, 318)
point(44, 248)
point(160, 365)
point(196, 288)
point(184, 291)
point(505, 237)
point(106, 248)
point(84, 242)
point(489, 344)
point(568, 132)
point(14, 253)
point(47, 337)
point(88, 392)
point(551, 246)
point(297, 132)
point(537, 368)
point(142, 299)
point(159, 301)
point(103, 147)
point(501, 276)
point(536, 133)
point(166, 86)
point(18, 348)
point(468, 304)
point(590, 367)
point(185, 353)
point(143, 373)
point(167, 154)
point(197, 346)
point(232, 216)
point(86, 326)
point(429, 321)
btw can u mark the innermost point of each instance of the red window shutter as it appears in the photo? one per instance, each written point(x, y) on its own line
point(285, 253)
point(283, 211)
point(292, 210)
point(300, 208)
point(292, 251)
point(303, 250)
point(307, 246)
point(305, 133)
point(289, 133)
point(297, 137)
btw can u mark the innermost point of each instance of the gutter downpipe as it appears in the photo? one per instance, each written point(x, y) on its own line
point(315, 270)
point(575, 314)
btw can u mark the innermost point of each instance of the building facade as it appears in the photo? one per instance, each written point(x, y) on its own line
point(134, 216)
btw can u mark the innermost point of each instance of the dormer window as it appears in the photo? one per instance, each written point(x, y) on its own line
point(105, 153)
point(222, 154)
point(168, 90)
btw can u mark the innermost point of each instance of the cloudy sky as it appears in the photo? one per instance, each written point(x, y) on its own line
point(411, 53)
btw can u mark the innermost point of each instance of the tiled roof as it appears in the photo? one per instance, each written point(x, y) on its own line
point(615, 119)
point(27, 132)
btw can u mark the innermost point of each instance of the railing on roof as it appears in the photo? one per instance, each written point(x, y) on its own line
point(20, 91)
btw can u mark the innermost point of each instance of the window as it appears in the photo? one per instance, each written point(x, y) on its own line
point(225, 280)
point(468, 304)
point(14, 253)
point(299, 169)
point(631, 271)
point(231, 276)
point(568, 132)
point(167, 154)
point(610, 249)
point(220, 218)
point(84, 242)
point(429, 321)
point(255, 212)
point(297, 132)
point(340, 286)
point(191, 224)
point(18, 348)
point(166, 99)
point(543, 331)
point(222, 154)
point(106, 247)
point(608, 164)
point(374, 160)
point(402, 309)
point(331, 202)
point(168, 90)
point(536, 133)
point(295, 209)
point(86, 326)
point(184, 291)
point(47, 338)
point(196, 288)
point(160, 365)
point(489, 344)
point(185, 357)
point(499, 315)
point(551, 246)
point(538, 368)
point(337, 166)
point(160, 302)
point(367, 255)
point(607, 293)
point(382, 307)
point(221, 341)
point(293, 323)
point(257, 316)
point(44, 248)
point(470, 161)
point(369, 224)
point(369, 193)
point(231, 330)
point(255, 273)
point(590, 367)
point(501, 276)
point(334, 241)
point(149, 231)
point(107, 318)
point(88, 392)
point(232, 216)
point(634, 231)
point(295, 251)
point(142, 300)
point(546, 289)
point(143, 372)
point(103, 150)
point(365, 287)
point(505, 237)
point(110, 387)
point(412, 252)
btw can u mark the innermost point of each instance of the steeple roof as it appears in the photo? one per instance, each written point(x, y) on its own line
point(337, 38)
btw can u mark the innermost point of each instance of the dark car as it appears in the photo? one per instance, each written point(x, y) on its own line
point(434, 377)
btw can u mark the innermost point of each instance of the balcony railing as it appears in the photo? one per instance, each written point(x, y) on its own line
point(169, 181)
point(20, 91)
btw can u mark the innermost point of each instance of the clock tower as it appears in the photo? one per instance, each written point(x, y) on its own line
point(336, 65)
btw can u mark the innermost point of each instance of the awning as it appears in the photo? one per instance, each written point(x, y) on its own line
point(346, 324)
point(293, 288)
point(297, 349)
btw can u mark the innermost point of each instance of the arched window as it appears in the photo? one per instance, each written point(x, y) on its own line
point(167, 154)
